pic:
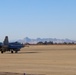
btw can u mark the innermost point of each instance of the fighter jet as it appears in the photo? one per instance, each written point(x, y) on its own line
point(13, 47)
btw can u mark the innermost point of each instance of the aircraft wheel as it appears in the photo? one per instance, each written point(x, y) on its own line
point(11, 51)
point(2, 52)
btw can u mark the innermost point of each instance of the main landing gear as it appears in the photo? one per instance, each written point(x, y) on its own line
point(2, 52)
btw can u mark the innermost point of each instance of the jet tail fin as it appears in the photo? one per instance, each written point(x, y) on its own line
point(6, 41)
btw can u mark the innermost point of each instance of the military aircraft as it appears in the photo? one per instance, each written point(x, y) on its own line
point(13, 47)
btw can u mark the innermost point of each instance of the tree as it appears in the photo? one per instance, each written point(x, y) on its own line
point(40, 43)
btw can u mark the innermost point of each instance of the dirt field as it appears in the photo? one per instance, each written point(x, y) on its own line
point(40, 60)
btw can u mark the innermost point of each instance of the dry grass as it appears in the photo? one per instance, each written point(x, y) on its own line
point(41, 60)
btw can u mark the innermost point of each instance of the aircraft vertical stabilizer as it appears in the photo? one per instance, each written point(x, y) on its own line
point(6, 41)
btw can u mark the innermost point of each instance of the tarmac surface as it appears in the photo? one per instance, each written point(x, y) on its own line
point(40, 60)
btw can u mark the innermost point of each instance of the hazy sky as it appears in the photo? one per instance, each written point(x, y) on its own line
point(38, 18)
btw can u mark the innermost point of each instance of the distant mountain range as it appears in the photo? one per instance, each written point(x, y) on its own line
point(34, 41)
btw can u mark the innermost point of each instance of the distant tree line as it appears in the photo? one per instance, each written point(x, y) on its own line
point(45, 43)
point(51, 43)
